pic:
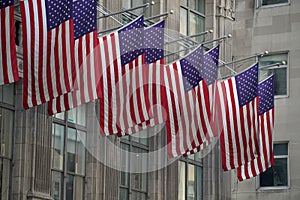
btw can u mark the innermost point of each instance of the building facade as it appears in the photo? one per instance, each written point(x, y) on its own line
point(64, 157)
point(273, 25)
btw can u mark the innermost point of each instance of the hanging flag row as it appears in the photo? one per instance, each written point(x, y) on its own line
point(66, 64)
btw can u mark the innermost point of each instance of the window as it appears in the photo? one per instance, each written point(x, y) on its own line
point(6, 137)
point(134, 177)
point(126, 4)
point(68, 154)
point(280, 73)
point(192, 17)
point(190, 178)
point(271, 2)
point(277, 175)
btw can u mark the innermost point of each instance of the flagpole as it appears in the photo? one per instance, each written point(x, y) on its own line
point(160, 15)
point(111, 29)
point(210, 41)
point(246, 58)
point(273, 65)
point(127, 10)
point(190, 36)
point(252, 56)
point(146, 19)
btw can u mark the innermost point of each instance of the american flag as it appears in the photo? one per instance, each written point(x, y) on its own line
point(8, 56)
point(186, 104)
point(153, 73)
point(266, 126)
point(48, 50)
point(238, 118)
point(87, 55)
point(122, 74)
point(209, 72)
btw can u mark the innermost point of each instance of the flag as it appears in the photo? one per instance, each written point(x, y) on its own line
point(48, 50)
point(122, 73)
point(266, 126)
point(8, 55)
point(209, 73)
point(87, 55)
point(186, 104)
point(238, 118)
point(153, 73)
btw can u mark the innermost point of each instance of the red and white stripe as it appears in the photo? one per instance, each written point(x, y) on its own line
point(266, 156)
point(87, 63)
point(8, 56)
point(213, 121)
point(154, 87)
point(49, 67)
point(188, 113)
point(118, 85)
point(238, 126)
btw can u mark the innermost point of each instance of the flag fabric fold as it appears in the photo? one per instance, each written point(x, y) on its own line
point(238, 118)
point(209, 72)
point(8, 55)
point(87, 59)
point(186, 104)
point(153, 75)
point(122, 57)
point(48, 50)
point(266, 126)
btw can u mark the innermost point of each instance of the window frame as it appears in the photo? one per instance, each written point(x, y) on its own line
point(189, 161)
point(128, 140)
point(281, 67)
point(64, 172)
point(259, 4)
point(189, 11)
point(268, 188)
point(147, 13)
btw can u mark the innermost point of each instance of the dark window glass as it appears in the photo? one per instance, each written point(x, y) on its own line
point(123, 194)
point(277, 175)
point(69, 187)
point(272, 2)
point(280, 149)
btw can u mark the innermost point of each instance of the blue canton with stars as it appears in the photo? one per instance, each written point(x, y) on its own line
point(5, 3)
point(58, 11)
point(246, 83)
point(266, 95)
point(210, 65)
point(154, 42)
point(131, 40)
point(85, 17)
point(191, 68)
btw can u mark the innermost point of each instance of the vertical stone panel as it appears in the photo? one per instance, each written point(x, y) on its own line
point(43, 151)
